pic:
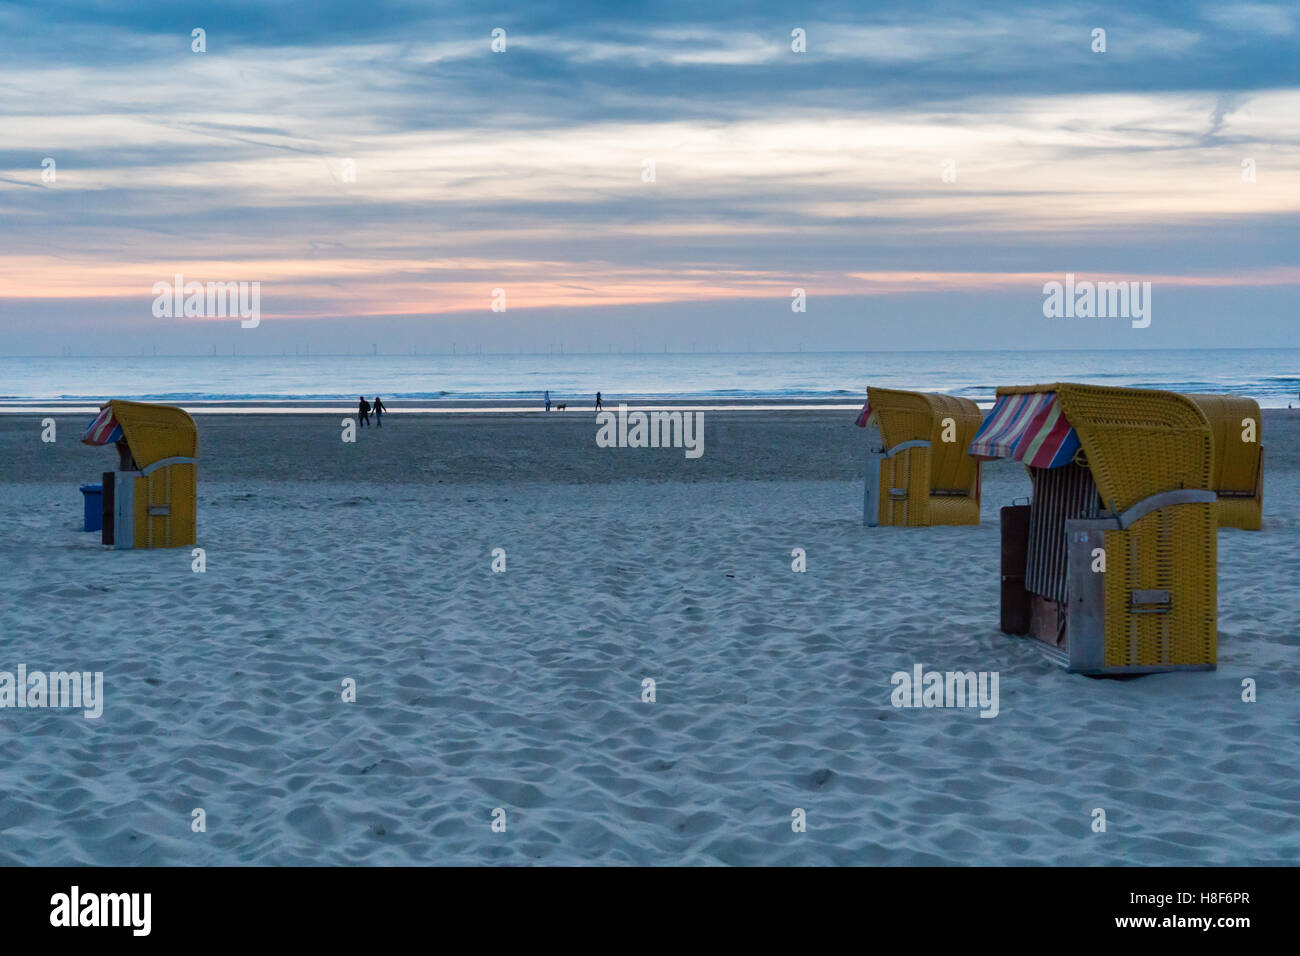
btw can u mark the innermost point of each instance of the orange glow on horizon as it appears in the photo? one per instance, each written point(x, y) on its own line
point(331, 288)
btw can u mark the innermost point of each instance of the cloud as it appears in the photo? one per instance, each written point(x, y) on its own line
point(771, 167)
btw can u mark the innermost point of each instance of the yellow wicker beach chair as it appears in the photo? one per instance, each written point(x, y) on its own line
point(152, 503)
point(1114, 563)
point(1238, 476)
point(920, 473)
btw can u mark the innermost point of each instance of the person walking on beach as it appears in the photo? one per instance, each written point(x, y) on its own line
point(363, 411)
point(547, 399)
point(379, 409)
point(598, 401)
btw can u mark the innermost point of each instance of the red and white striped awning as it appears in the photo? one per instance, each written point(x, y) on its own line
point(1029, 427)
point(864, 416)
point(104, 430)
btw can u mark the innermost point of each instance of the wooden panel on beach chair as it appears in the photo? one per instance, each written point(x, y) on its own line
point(1015, 555)
point(107, 505)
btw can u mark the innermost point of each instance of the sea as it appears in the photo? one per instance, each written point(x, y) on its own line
point(1271, 376)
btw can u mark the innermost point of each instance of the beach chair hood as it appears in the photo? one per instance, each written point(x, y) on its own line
point(153, 433)
point(1136, 442)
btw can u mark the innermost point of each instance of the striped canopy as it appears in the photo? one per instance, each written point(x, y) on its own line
point(1029, 427)
point(864, 416)
point(104, 430)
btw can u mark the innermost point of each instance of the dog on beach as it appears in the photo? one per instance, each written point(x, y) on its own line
point(559, 407)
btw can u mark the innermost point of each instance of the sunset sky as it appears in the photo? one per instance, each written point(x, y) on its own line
point(523, 170)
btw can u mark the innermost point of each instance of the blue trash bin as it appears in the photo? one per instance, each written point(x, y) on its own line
point(93, 497)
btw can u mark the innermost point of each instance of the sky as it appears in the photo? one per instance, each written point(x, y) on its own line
point(656, 175)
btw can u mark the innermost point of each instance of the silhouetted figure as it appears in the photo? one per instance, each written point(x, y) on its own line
point(379, 409)
point(598, 401)
point(363, 411)
point(547, 398)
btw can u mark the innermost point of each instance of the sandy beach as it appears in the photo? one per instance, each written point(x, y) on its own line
point(523, 690)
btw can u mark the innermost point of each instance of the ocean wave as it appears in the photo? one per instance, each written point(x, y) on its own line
point(1268, 375)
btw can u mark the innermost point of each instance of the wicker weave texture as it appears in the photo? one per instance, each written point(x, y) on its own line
point(176, 487)
point(1139, 442)
point(1238, 464)
point(941, 482)
point(155, 432)
point(1173, 549)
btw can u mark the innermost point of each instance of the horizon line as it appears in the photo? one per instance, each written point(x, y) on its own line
point(562, 354)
